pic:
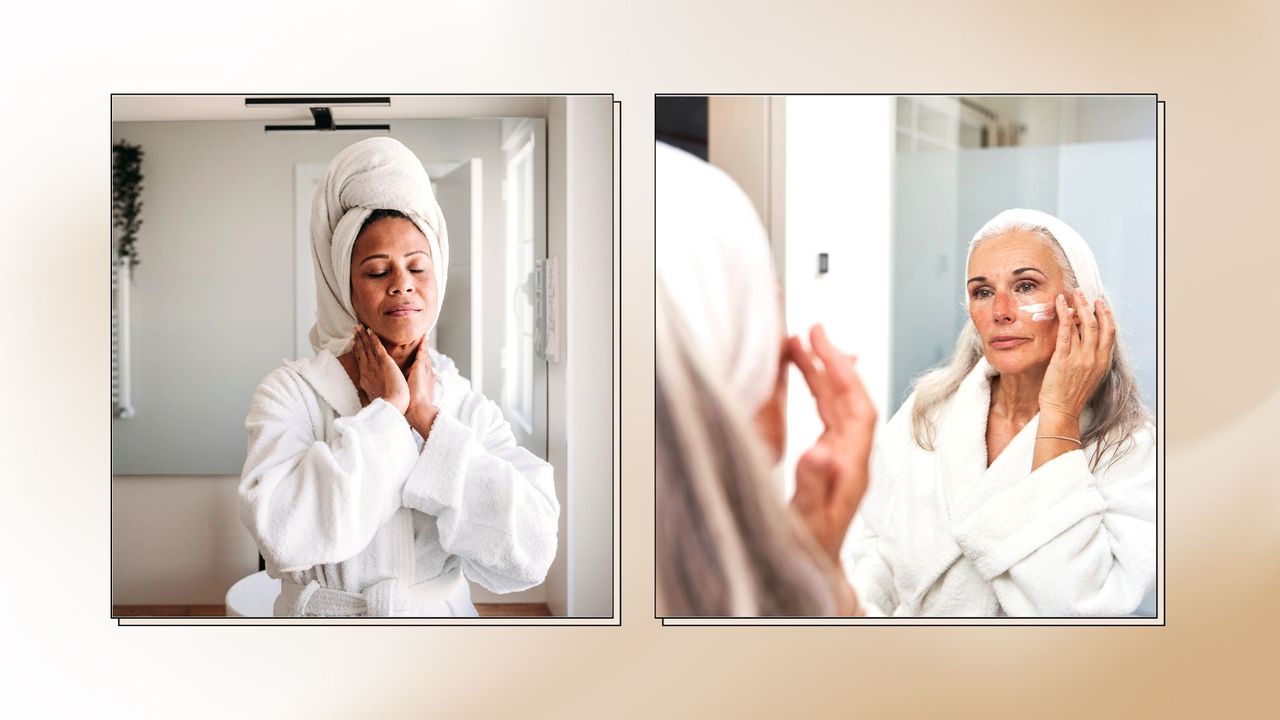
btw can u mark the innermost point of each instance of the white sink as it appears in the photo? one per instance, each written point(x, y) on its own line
point(253, 596)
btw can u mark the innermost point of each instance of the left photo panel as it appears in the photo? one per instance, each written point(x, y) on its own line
point(346, 380)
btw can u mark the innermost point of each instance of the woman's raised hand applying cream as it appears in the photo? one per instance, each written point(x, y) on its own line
point(831, 477)
point(1081, 358)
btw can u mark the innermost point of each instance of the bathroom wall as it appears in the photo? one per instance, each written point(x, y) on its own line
point(838, 201)
point(213, 297)
point(580, 438)
point(217, 250)
point(176, 538)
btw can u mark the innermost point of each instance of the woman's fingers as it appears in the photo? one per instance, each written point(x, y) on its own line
point(1088, 323)
point(365, 350)
point(839, 366)
point(362, 361)
point(831, 476)
point(1066, 326)
point(357, 347)
point(860, 400)
point(424, 355)
point(840, 393)
point(370, 352)
point(803, 360)
point(817, 459)
point(421, 369)
point(1107, 331)
point(375, 346)
point(817, 379)
point(379, 356)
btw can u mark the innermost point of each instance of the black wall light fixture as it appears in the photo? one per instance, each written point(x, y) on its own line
point(322, 112)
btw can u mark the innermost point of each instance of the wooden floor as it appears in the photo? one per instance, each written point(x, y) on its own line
point(485, 610)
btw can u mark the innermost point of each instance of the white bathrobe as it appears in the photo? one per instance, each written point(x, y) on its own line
point(357, 516)
point(941, 534)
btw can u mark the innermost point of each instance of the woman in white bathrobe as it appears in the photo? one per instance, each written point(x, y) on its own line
point(377, 482)
point(1020, 478)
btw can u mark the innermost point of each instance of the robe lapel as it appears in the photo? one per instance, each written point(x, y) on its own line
point(329, 379)
point(959, 459)
point(974, 483)
point(962, 441)
point(450, 386)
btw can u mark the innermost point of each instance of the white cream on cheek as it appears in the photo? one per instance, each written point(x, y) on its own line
point(1039, 311)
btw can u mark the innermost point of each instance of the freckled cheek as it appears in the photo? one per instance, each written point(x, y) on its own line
point(363, 298)
point(1047, 339)
point(976, 318)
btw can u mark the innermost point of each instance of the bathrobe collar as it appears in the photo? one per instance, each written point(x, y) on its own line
point(965, 480)
point(325, 374)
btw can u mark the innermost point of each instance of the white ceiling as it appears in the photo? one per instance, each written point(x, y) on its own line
point(154, 108)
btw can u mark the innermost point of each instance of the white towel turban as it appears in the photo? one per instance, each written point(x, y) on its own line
point(374, 174)
point(1079, 256)
point(713, 261)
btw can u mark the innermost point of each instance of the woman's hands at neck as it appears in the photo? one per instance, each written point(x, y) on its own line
point(374, 371)
point(401, 374)
point(403, 355)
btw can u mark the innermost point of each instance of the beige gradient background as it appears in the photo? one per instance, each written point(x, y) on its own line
point(1215, 64)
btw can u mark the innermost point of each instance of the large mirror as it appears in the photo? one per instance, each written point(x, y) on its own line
point(869, 205)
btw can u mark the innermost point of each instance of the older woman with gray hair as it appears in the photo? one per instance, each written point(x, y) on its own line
point(1020, 477)
point(727, 542)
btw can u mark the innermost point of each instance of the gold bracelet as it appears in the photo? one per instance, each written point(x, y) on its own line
point(1058, 437)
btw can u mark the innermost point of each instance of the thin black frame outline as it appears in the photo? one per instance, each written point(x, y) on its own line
point(615, 397)
point(1162, 531)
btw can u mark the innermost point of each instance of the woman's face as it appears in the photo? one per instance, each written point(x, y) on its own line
point(1007, 273)
point(393, 285)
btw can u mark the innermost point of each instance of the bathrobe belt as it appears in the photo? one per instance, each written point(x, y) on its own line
point(386, 598)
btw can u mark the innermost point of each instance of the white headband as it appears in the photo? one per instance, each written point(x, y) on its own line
point(1079, 256)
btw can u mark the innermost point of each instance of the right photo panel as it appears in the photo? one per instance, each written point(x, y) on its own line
point(906, 358)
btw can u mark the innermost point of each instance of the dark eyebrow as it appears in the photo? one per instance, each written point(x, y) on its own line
point(1019, 271)
point(388, 257)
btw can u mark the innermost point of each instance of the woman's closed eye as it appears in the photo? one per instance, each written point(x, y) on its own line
point(382, 273)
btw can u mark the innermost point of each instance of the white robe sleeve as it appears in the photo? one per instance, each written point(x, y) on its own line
point(494, 502)
point(307, 501)
point(1064, 542)
point(864, 565)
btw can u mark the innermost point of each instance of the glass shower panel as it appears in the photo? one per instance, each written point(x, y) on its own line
point(925, 302)
point(1107, 192)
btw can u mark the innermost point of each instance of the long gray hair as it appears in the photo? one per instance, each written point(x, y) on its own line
point(726, 545)
point(1117, 409)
